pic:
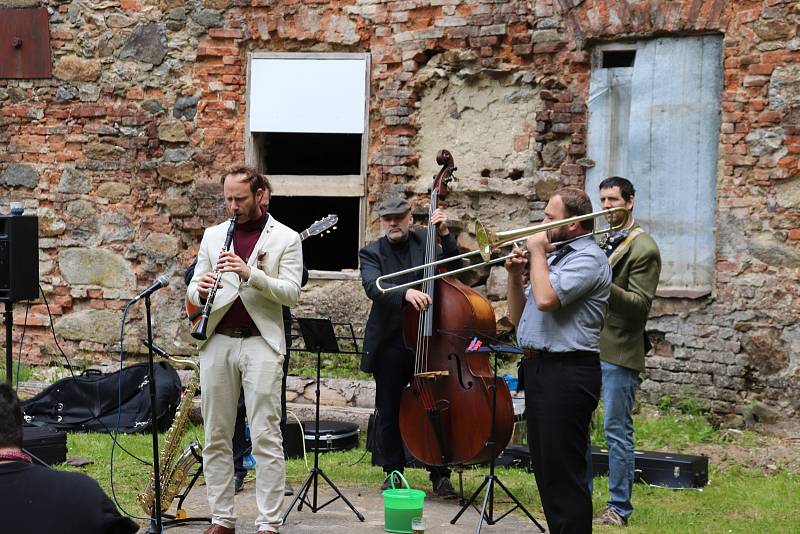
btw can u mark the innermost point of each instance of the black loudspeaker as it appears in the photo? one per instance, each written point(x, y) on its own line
point(19, 257)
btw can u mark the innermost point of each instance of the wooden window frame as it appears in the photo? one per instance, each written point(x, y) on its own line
point(347, 185)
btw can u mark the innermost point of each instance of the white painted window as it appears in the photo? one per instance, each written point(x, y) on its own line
point(654, 118)
point(308, 132)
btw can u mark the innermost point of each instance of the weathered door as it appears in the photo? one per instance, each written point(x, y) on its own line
point(657, 124)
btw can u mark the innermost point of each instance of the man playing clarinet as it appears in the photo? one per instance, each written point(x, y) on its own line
point(245, 344)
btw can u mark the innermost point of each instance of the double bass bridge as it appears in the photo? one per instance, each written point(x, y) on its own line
point(431, 374)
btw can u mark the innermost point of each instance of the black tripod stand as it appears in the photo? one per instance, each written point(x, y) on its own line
point(487, 510)
point(319, 337)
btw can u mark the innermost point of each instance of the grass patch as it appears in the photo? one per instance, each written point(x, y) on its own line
point(333, 366)
point(737, 499)
point(19, 372)
point(668, 425)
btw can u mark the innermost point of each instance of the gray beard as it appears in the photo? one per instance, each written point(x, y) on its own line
point(398, 240)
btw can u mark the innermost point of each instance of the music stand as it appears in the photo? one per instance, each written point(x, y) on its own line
point(487, 510)
point(318, 336)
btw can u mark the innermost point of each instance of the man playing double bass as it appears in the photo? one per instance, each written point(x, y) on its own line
point(385, 355)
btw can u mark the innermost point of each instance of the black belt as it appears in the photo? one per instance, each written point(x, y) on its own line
point(531, 354)
point(238, 331)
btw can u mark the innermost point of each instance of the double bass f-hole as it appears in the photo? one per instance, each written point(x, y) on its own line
point(458, 367)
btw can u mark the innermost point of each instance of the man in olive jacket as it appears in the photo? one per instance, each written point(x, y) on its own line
point(636, 266)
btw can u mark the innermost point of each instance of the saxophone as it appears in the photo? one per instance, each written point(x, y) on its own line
point(174, 469)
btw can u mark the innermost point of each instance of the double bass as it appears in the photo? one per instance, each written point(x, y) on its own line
point(446, 415)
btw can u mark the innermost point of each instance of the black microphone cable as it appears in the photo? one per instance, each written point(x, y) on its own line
point(119, 412)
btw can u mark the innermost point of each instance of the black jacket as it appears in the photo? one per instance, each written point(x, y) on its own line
point(385, 322)
point(36, 499)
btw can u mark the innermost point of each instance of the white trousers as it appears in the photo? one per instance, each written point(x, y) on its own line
point(226, 365)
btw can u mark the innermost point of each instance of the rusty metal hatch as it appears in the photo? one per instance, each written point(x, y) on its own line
point(24, 43)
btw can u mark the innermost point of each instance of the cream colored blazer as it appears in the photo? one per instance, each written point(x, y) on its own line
point(276, 265)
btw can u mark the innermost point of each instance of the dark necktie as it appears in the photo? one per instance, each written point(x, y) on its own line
point(613, 241)
point(559, 254)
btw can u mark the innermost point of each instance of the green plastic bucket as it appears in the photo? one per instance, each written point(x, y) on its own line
point(401, 505)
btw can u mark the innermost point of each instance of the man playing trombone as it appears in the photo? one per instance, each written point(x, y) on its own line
point(558, 316)
point(245, 344)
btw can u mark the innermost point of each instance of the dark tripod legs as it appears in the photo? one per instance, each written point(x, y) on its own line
point(487, 510)
point(316, 472)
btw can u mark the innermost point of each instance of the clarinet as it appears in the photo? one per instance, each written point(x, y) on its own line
point(199, 330)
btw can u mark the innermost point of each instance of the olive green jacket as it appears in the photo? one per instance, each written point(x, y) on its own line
point(636, 267)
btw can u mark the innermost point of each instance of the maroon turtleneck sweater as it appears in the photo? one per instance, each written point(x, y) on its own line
point(245, 238)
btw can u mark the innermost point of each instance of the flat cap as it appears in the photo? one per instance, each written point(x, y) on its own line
point(393, 206)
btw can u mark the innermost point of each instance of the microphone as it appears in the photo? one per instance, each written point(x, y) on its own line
point(161, 281)
point(157, 349)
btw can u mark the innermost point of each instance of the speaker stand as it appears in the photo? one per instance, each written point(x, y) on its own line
point(9, 320)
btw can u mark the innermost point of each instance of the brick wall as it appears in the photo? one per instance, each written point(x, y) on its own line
point(121, 150)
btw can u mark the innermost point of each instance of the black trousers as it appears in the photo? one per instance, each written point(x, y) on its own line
point(394, 367)
point(560, 395)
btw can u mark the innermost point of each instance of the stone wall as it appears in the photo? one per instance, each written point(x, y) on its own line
point(120, 153)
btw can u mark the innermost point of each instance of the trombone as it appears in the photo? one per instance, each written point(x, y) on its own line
point(489, 241)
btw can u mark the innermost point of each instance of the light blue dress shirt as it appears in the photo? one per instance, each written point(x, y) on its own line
point(582, 282)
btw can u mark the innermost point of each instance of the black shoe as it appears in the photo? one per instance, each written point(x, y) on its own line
point(444, 489)
point(238, 482)
point(387, 483)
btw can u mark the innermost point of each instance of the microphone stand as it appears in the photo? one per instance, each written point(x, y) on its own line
point(153, 423)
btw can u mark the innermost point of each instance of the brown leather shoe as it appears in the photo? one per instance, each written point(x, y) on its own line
point(219, 529)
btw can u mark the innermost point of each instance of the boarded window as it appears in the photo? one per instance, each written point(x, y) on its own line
point(308, 133)
point(657, 123)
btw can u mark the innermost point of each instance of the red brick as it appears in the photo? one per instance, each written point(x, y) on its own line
point(130, 5)
point(760, 68)
point(769, 117)
point(571, 169)
point(225, 33)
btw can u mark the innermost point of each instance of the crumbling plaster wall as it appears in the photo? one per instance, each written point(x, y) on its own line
point(486, 120)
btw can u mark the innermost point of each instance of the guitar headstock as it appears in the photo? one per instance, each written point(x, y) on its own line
point(324, 225)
